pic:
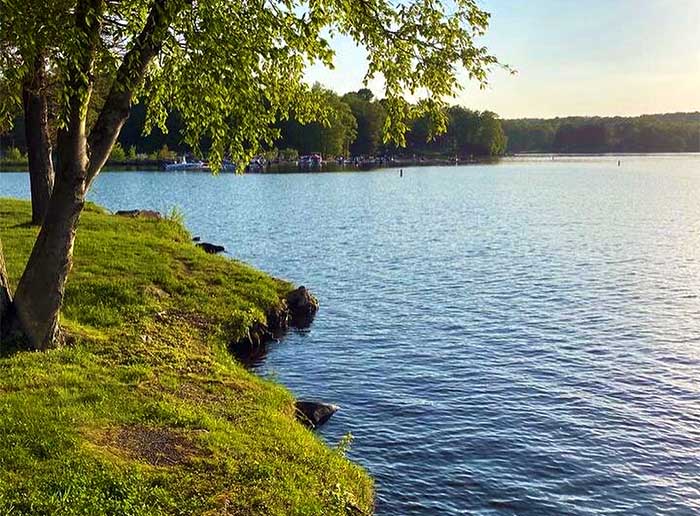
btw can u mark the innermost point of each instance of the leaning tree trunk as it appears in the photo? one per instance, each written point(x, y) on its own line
point(40, 292)
point(36, 117)
point(39, 295)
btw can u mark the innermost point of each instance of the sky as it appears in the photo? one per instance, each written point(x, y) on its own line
point(572, 57)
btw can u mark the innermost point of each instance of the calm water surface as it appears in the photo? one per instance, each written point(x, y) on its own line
point(521, 338)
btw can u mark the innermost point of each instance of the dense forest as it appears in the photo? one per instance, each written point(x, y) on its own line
point(353, 125)
point(354, 122)
point(676, 132)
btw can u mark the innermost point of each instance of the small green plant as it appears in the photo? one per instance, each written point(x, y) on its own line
point(344, 444)
point(176, 215)
point(288, 154)
point(118, 154)
point(271, 154)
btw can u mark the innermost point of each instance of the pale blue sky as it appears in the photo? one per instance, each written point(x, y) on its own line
point(574, 57)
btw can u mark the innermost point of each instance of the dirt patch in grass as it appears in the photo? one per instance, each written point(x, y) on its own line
point(198, 394)
point(155, 446)
point(193, 319)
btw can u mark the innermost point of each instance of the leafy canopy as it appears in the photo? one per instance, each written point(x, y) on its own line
point(233, 68)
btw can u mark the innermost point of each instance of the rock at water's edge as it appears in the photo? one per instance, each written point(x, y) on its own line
point(278, 319)
point(211, 248)
point(302, 307)
point(143, 214)
point(314, 414)
point(259, 334)
point(298, 313)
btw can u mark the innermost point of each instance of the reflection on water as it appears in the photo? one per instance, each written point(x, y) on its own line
point(522, 338)
point(253, 356)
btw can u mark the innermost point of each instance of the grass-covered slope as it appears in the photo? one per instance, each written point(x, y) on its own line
point(145, 412)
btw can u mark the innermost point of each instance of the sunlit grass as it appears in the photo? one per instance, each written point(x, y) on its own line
point(146, 413)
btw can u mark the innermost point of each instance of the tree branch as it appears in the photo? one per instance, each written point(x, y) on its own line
point(71, 140)
point(117, 106)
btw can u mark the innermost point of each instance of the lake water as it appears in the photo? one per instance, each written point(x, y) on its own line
point(520, 338)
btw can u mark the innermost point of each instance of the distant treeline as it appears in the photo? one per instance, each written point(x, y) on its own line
point(353, 127)
point(354, 124)
point(676, 132)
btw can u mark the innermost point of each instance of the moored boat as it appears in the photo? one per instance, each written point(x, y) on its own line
point(185, 165)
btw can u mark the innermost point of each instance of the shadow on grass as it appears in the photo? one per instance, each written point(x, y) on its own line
point(25, 225)
point(12, 345)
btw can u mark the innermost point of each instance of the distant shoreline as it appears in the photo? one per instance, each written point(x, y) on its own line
point(596, 154)
point(331, 166)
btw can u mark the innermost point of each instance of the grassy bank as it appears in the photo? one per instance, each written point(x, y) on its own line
point(146, 413)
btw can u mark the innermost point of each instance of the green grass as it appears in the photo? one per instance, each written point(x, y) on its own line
point(146, 413)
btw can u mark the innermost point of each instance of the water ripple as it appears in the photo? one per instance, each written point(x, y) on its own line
point(513, 339)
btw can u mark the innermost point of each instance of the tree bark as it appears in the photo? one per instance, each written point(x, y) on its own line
point(40, 292)
point(39, 295)
point(36, 117)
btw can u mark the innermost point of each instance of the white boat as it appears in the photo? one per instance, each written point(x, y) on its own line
point(186, 165)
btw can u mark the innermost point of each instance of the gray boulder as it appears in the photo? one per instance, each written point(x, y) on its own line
point(143, 214)
point(302, 307)
point(211, 248)
point(313, 414)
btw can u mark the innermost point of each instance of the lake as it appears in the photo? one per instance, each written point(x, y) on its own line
point(518, 338)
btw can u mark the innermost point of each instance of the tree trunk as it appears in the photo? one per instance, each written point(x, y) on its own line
point(39, 295)
point(5, 296)
point(36, 117)
point(40, 291)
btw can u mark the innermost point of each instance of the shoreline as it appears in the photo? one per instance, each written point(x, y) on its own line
point(290, 168)
point(147, 405)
